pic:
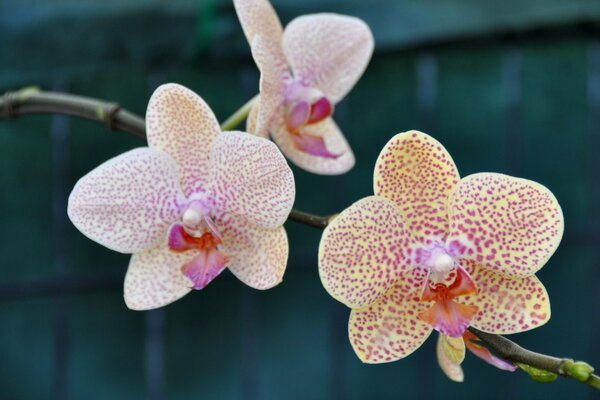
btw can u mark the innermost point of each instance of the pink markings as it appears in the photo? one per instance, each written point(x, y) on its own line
point(297, 116)
point(485, 354)
point(180, 240)
point(446, 315)
point(306, 106)
point(205, 267)
point(312, 144)
point(319, 110)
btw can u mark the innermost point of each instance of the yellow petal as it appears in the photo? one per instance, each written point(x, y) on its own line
point(509, 225)
point(416, 172)
point(506, 305)
point(363, 252)
point(391, 329)
point(450, 354)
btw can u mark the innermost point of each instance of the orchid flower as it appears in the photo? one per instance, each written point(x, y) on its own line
point(432, 251)
point(192, 203)
point(305, 70)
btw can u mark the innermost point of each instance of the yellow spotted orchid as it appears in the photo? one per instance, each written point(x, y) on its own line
point(305, 70)
point(192, 203)
point(432, 251)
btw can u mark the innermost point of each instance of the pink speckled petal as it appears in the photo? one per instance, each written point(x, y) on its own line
point(472, 343)
point(390, 329)
point(258, 256)
point(450, 354)
point(416, 172)
point(250, 178)
point(509, 225)
point(274, 75)
point(180, 123)
point(507, 305)
point(328, 51)
point(334, 142)
point(258, 17)
point(252, 120)
point(154, 278)
point(364, 251)
point(128, 202)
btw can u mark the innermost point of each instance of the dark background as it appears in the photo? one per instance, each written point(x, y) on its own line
point(511, 87)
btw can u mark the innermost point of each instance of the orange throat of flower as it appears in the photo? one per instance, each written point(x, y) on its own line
point(446, 315)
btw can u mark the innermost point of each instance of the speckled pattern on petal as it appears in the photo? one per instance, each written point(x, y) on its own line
point(250, 178)
point(128, 202)
point(363, 251)
point(274, 73)
point(258, 17)
point(390, 329)
point(328, 51)
point(509, 225)
point(179, 122)
point(334, 141)
point(154, 278)
point(506, 305)
point(258, 256)
point(416, 172)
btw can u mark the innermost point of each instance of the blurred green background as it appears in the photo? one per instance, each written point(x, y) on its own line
point(511, 87)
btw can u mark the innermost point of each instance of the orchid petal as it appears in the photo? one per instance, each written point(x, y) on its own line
point(416, 172)
point(204, 267)
point(450, 354)
point(180, 123)
point(483, 353)
point(258, 17)
point(274, 73)
point(250, 178)
point(364, 251)
point(334, 143)
point(509, 225)
point(297, 115)
point(311, 144)
point(252, 120)
point(128, 202)
point(258, 256)
point(154, 278)
point(319, 110)
point(390, 329)
point(507, 305)
point(328, 51)
point(449, 317)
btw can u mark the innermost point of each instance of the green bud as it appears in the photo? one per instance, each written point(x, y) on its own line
point(537, 374)
point(580, 370)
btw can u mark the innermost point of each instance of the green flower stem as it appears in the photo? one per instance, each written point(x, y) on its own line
point(33, 101)
point(239, 116)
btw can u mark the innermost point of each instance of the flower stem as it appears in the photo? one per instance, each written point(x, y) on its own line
point(315, 221)
point(239, 116)
point(510, 351)
point(34, 101)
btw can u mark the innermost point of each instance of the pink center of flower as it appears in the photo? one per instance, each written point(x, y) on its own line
point(305, 106)
point(447, 280)
point(197, 231)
